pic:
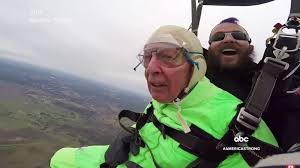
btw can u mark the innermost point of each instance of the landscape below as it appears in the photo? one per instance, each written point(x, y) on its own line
point(42, 110)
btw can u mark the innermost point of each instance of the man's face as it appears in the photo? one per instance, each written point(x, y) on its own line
point(166, 83)
point(229, 52)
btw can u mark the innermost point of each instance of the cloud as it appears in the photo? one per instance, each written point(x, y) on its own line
point(94, 39)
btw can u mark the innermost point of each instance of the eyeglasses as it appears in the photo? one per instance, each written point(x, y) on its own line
point(167, 57)
point(235, 34)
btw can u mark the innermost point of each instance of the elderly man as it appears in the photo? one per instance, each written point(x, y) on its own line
point(184, 124)
point(231, 68)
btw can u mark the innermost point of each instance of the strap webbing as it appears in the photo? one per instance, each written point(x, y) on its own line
point(210, 149)
point(249, 116)
point(202, 144)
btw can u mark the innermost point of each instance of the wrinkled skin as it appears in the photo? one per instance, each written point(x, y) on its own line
point(240, 49)
point(165, 84)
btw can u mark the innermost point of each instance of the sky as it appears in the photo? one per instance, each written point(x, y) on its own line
point(99, 39)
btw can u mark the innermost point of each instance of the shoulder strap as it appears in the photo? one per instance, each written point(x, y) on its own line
point(200, 143)
point(139, 118)
point(250, 115)
point(197, 142)
point(280, 61)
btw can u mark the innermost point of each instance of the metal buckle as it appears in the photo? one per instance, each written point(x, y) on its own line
point(281, 34)
point(244, 117)
point(278, 62)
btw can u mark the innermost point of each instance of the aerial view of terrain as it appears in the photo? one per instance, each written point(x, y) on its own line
point(42, 110)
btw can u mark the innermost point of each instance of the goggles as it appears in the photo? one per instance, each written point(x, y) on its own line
point(237, 35)
point(167, 56)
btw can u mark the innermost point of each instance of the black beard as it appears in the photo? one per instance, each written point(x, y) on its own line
point(214, 63)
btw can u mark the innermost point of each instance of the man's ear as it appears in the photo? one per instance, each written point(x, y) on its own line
point(250, 52)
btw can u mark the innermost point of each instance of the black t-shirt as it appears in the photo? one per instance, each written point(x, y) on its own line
point(235, 81)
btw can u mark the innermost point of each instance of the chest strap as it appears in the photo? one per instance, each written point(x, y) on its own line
point(202, 144)
point(211, 150)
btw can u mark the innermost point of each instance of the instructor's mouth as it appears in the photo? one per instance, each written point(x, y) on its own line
point(229, 52)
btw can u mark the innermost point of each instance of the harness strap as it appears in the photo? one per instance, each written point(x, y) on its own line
point(139, 118)
point(249, 116)
point(210, 149)
point(202, 145)
point(131, 164)
point(280, 61)
point(251, 157)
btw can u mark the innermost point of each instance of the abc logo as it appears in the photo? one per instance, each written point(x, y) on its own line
point(241, 139)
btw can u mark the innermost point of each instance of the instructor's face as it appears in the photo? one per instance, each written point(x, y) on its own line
point(228, 50)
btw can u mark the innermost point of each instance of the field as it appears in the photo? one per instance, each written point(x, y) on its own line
point(43, 110)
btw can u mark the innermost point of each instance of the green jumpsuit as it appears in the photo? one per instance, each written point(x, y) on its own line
point(206, 106)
